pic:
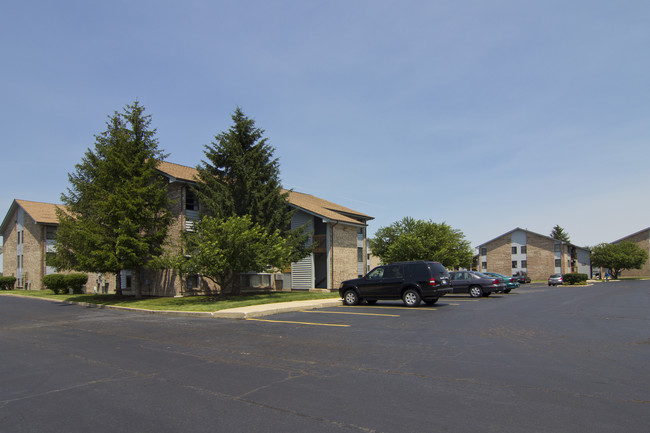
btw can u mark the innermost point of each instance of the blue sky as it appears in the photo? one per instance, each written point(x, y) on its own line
point(486, 115)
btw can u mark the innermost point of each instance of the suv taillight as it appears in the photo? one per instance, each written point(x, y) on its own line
point(432, 282)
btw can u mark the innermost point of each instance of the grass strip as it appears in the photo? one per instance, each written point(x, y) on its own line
point(191, 303)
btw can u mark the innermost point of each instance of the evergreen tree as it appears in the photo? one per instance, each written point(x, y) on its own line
point(117, 205)
point(241, 177)
point(559, 234)
point(239, 190)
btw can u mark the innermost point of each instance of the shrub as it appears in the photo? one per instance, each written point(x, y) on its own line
point(575, 278)
point(7, 283)
point(76, 282)
point(55, 283)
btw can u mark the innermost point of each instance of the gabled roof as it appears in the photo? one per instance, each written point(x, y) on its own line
point(326, 209)
point(41, 213)
point(178, 172)
point(528, 231)
point(647, 229)
point(306, 202)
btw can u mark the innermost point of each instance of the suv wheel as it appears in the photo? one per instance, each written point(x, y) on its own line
point(350, 297)
point(475, 291)
point(411, 298)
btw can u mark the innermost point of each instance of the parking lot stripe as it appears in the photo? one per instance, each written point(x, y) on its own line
point(347, 312)
point(299, 323)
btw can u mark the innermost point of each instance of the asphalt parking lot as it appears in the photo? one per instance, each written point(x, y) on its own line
point(557, 359)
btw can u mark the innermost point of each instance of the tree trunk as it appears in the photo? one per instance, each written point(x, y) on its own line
point(118, 284)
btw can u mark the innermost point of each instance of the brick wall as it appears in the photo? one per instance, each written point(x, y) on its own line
point(344, 254)
point(498, 256)
point(9, 256)
point(540, 256)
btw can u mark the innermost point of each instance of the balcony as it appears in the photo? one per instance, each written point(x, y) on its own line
point(320, 243)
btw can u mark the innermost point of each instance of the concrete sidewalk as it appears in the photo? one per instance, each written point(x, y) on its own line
point(269, 309)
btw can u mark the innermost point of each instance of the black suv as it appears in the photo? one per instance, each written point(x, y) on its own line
point(410, 281)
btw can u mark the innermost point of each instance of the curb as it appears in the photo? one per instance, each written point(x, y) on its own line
point(252, 311)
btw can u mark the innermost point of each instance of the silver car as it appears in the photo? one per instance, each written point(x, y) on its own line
point(555, 280)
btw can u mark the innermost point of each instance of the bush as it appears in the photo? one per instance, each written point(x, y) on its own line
point(7, 283)
point(575, 278)
point(55, 283)
point(76, 282)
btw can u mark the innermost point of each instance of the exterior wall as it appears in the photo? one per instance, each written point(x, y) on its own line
point(343, 254)
point(540, 256)
point(642, 239)
point(10, 246)
point(498, 256)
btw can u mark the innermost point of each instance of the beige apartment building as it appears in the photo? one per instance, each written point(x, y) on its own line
point(536, 255)
point(28, 232)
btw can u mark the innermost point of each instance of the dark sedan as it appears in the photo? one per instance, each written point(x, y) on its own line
point(475, 283)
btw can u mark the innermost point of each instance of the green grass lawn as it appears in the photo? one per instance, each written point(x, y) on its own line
point(192, 303)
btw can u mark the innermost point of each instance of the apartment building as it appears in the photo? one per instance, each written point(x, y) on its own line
point(28, 232)
point(539, 256)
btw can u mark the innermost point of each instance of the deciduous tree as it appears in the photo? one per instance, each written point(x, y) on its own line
point(411, 239)
point(618, 257)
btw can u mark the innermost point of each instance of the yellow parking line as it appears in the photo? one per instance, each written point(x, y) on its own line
point(345, 312)
point(299, 323)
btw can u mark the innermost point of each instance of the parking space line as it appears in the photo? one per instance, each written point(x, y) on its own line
point(392, 308)
point(299, 323)
point(347, 312)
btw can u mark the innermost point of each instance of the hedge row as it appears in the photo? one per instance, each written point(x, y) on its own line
point(7, 283)
point(575, 278)
point(65, 282)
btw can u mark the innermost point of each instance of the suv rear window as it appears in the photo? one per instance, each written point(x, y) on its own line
point(437, 268)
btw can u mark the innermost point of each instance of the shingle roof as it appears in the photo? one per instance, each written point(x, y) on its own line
point(41, 213)
point(326, 208)
point(177, 171)
point(309, 203)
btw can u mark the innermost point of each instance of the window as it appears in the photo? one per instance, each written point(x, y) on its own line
point(360, 234)
point(524, 264)
point(360, 254)
point(50, 233)
point(20, 237)
point(514, 264)
point(523, 249)
point(191, 203)
point(558, 263)
point(557, 248)
point(192, 282)
point(484, 266)
point(484, 251)
point(514, 250)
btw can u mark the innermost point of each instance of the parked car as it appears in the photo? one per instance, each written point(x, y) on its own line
point(522, 277)
point(510, 282)
point(555, 280)
point(476, 283)
point(411, 282)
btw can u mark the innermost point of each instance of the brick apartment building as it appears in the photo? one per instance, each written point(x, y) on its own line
point(28, 233)
point(537, 255)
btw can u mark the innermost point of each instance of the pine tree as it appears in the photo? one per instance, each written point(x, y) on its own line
point(241, 177)
point(239, 188)
point(559, 234)
point(117, 206)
